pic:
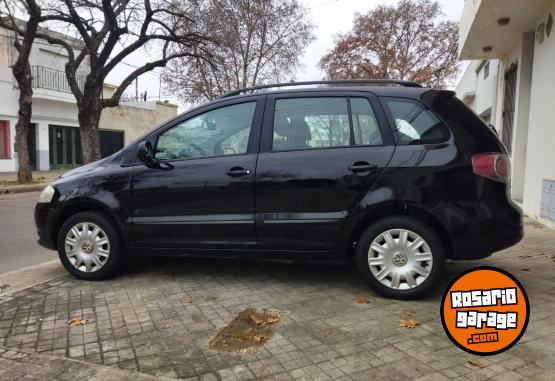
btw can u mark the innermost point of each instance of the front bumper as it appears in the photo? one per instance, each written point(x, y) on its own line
point(45, 220)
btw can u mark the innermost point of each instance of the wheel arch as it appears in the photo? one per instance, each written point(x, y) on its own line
point(404, 209)
point(79, 206)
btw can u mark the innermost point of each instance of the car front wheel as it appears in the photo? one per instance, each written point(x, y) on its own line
point(400, 258)
point(89, 246)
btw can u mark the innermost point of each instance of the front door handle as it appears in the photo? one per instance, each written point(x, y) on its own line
point(238, 172)
point(362, 166)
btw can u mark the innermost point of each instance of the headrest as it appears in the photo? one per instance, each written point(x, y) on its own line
point(296, 129)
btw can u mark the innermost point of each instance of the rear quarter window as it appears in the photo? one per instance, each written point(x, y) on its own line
point(414, 123)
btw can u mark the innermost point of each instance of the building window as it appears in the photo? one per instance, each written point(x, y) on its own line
point(4, 139)
point(486, 70)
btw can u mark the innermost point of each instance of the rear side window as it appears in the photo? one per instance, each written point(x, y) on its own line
point(304, 123)
point(365, 125)
point(311, 123)
point(414, 123)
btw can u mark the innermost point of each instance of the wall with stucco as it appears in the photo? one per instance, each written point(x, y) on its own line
point(540, 162)
point(134, 121)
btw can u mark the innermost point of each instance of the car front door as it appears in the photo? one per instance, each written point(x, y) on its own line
point(199, 193)
point(319, 156)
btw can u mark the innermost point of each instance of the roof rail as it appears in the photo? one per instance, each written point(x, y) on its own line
point(336, 82)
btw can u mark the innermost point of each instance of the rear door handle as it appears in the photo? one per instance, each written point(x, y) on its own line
point(238, 172)
point(362, 166)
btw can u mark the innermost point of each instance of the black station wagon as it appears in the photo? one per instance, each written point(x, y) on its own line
point(394, 176)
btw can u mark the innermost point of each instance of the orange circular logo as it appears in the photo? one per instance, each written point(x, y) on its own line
point(485, 311)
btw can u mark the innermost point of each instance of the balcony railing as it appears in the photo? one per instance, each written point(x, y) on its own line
point(51, 79)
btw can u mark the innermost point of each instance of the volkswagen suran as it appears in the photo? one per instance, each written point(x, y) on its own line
point(391, 175)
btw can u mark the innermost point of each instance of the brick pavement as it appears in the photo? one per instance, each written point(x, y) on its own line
point(157, 318)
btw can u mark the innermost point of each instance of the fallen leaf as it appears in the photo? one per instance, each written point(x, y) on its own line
point(525, 269)
point(74, 322)
point(3, 286)
point(362, 300)
point(189, 301)
point(408, 323)
point(259, 337)
point(476, 363)
point(261, 321)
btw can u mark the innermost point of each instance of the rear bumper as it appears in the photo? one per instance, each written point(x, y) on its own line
point(481, 246)
point(45, 218)
point(479, 230)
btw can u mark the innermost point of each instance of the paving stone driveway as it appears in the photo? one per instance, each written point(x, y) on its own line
point(158, 317)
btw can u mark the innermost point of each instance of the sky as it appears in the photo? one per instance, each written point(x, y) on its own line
point(330, 18)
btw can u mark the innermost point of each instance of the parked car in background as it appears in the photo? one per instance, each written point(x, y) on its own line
point(394, 176)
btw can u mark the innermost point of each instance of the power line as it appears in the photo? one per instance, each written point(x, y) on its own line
point(325, 3)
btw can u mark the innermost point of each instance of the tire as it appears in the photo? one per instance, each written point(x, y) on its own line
point(90, 249)
point(403, 263)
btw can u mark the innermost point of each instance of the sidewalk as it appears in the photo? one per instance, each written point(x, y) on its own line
point(8, 181)
point(16, 365)
point(158, 317)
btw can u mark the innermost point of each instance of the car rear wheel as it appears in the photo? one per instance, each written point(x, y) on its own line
point(89, 246)
point(400, 257)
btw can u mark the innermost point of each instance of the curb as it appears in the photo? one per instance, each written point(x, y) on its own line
point(22, 188)
point(30, 276)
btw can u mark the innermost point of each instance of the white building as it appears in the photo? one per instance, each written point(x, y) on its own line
point(54, 141)
point(517, 38)
point(478, 88)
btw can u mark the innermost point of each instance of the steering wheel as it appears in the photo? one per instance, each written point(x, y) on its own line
point(198, 149)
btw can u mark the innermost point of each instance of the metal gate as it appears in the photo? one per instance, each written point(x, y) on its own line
point(509, 102)
point(110, 142)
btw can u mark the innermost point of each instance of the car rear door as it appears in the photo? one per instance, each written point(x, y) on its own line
point(320, 153)
point(201, 194)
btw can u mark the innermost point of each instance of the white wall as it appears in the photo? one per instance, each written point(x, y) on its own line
point(486, 88)
point(466, 89)
point(541, 133)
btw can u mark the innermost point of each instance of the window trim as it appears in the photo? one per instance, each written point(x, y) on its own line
point(253, 134)
point(369, 97)
point(6, 131)
point(392, 124)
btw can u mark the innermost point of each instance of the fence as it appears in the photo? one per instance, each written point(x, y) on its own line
point(51, 79)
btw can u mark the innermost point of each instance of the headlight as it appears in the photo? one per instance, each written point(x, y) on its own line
point(46, 195)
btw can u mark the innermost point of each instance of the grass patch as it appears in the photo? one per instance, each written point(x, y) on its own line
point(8, 183)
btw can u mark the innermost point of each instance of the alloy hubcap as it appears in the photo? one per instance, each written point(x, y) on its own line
point(400, 259)
point(87, 247)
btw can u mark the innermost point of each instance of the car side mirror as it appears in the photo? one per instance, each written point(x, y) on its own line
point(145, 153)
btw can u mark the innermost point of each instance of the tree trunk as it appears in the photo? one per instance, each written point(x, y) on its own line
point(89, 117)
point(25, 82)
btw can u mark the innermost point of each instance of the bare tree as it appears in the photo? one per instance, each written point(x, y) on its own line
point(258, 41)
point(22, 73)
point(403, 41)
point(111, 30)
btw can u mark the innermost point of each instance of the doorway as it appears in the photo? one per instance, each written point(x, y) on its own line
point(110, 142)
point(32, 145)
point(65, 147)
point(509, 103)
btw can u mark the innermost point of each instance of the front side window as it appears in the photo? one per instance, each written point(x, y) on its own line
point(414, 123)
point(224, 131)
point(311, 123)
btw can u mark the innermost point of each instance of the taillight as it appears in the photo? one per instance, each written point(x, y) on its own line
point(495, 166)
